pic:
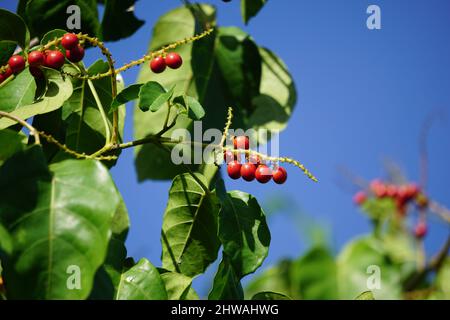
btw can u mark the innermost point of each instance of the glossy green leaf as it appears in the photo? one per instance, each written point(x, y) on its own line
point(178, 286)
point(18, 96)
point(193, 108)
point(58, 222)
point(314, 275)
point(152, 96)
point(121, 11)
point(243, 231)
point(270, 296)
point(367, 295)
point(250, 8)
point(189, 232)
point(227, 285)
point(126, 95)
point(358, 263)
point(11, 142)
point(141, 282)
point(44, 15)
point(13, 28)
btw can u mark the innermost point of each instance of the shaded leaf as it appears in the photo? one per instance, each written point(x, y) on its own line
point(7, 49)
point(13, 28)
point(270, 296)
point(193, 108)
point(152, 96)
point(178, 286)
point(189, 232)
point(367, 295)
point(121, 11)
point(250, 8)
point(227, 285)
point(11, 142)
point(243, 230)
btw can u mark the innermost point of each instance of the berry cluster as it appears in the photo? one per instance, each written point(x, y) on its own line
point(253, 168)
point(49, 58)
point(402, 195)
point(172, 60)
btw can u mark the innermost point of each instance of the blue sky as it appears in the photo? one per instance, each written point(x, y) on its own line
point(362, 98)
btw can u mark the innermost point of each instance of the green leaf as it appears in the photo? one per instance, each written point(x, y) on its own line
point(119, 11)
point(85, 129)
point(57, 220)
point(227, 285)
point(354, 273)
point(141, 282)
point(178, 286)
point(126, 95)
point(44, 15)
point(250, 8)
point(193, 108)
point(13, 28)
point(107, 279)
point(11, 142)
point(314, 275)
point(270, 296)
point(18, 96)
point(442, 282)
point(189, 232)
point(152, 96)
point(240, 64)
point(367, 295)
point(274, 105)
point(243, 231)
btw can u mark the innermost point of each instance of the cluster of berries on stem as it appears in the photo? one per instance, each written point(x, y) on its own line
point(402, 195)
point(253, 167)
point(172, 60)
point(53, 59)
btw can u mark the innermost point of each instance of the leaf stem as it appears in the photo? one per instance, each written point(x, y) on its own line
point(102, 112)
point(33, 131)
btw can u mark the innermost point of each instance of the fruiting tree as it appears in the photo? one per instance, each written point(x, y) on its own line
point(60, 211)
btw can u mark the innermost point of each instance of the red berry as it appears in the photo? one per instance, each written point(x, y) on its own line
point(158, 64)
point(256, 160)
point(16, 63)
point(2, 77)
point(359, 198)
point(378, 188)
point(229, 156)
point(279, 175)
point(36, 58)
point(76, 54)
point(54, 59)
point(248, 171)
point(36, 72)
point(391, 190)
point(173, 60)
point(420, 230)
point(263, 173)
point(234, 169)
point(412, 190)
point(241, 142)
point(69, 41)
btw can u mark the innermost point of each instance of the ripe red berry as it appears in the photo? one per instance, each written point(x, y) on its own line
point(420, 230)
point(256, 160)
point(69, 41)
point(76, 54)
point(36, 58)
point(16, 63)
point(173, 60)
point(54, 59)
point(412, 190)
point(229, 156)
point(36, 72)
point(234, 169)
point(8, 72)
point(158, 64)
point(359, 198)
point(378, 188)
point(279, 175)
point(2, 77)
point(263, 173)
point(248, 171)
point(391, 190)
point(241, 142)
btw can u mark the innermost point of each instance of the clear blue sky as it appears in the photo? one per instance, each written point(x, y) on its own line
point(363, 96)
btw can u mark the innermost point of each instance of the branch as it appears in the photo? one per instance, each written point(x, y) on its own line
point(33, 131)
